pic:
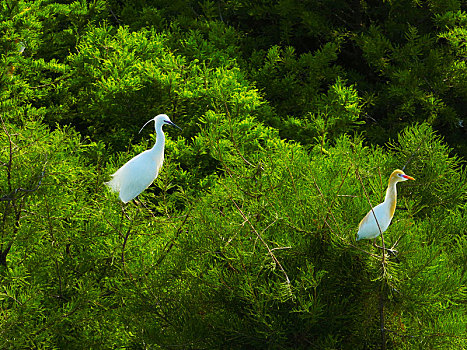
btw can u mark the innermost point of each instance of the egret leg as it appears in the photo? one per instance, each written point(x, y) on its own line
point(389, 250)
point(124, 213)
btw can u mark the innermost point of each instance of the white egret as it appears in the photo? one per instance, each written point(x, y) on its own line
point(139, 172)
point(369, 227)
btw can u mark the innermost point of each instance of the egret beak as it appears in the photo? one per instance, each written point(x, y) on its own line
point(408, 177)
point(146, 124)
point(173, 124)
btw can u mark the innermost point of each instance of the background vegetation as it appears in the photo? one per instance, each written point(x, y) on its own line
point(294, 113)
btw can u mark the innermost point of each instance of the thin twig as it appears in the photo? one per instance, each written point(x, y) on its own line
point(169, 245)
point(279, 248)
point(8, 169)
point(383, 264)
point(338, 189)
point(328, 205)
point(413, 153)
point(372, 211)
point(236, 205)
point(294, 186)
point(232, 137)
point(381, 317)
point(10, 158)
point(114, 16)
point(127, 235)
point(261, 239)
point(331, 229)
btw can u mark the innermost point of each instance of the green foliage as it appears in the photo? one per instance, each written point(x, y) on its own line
point(294, 113)
point(442, 179)
point(412, 68)
point(289, 81)
point(44, 218)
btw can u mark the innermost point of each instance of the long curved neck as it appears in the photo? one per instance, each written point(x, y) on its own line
point(391, 197)
point(160, 139)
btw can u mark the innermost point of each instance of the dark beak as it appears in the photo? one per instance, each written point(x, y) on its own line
point(173, 124)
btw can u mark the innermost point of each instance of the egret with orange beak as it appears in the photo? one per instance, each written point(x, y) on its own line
point(378, 219)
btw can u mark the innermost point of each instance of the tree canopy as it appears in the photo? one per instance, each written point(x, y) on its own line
point(294, 114)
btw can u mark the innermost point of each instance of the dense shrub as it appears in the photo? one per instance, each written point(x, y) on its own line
point(293, 113)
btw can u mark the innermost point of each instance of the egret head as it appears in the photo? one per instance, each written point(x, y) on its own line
point(398, 176)
point(159, 121)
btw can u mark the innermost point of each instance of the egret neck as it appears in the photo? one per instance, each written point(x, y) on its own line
point(391, 196)
point(160, 140)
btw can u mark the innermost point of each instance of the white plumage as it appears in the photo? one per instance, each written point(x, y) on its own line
point(384, 212)
point(139, 172)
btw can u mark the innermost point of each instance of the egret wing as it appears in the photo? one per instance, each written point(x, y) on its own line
point(134, 176)
point(368, 228)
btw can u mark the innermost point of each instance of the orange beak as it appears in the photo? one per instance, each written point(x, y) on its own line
point(408, 177)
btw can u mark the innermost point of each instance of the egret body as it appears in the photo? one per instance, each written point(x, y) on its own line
point(368, 227)
point(139, 172)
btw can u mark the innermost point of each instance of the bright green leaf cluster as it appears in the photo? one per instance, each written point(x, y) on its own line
point(294, 114)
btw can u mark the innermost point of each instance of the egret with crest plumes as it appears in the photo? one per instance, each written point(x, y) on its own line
point(370, 227)
point(139, 172)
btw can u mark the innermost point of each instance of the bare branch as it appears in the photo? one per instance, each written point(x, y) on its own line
point(261, 239)
point(169, 245)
